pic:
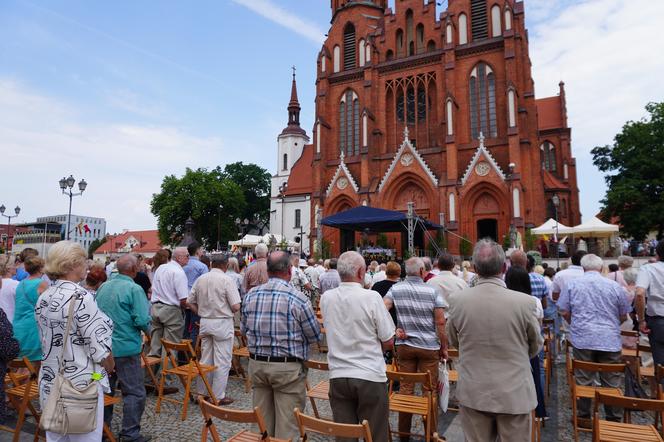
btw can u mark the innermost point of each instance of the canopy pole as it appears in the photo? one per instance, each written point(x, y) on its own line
point(411, 229)
point(319, 232)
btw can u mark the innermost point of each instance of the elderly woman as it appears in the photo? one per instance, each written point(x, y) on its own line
point(25, 325)
point(88, 357)
point(94, 279)
point(8, 289)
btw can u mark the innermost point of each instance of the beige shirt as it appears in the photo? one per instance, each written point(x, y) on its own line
point(214, 293)
point(255, 275)
point(448, 283)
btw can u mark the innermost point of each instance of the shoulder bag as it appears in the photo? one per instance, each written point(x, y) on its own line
point(69, 410)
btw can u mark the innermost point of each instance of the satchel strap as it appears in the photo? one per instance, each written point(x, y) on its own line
point(72, 301)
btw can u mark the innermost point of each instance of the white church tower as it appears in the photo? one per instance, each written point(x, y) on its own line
point(289, 212)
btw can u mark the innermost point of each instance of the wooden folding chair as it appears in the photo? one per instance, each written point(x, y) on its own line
point(547, 366)
point(186, 372)
point(437, 438)
point(588, 392)
point(320, 390)
point(453, 374)
point(109, 400)
point(147, 362)
point(241, 351)
point(424, 405)
point(536, 428)
point(231, 415)
point(647, 372)
point(607, 431)
point(329, 428)
point(630, 352)
point(322, 344)
point(21, 395)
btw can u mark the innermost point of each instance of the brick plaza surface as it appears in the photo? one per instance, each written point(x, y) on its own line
point(167, 426)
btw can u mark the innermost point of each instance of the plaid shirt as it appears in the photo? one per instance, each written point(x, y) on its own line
point(278, 321)
point(538, 286)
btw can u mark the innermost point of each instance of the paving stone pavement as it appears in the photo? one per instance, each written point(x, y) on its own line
point(167, 426)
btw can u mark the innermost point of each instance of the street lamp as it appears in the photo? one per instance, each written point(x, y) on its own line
point(17, 210)
point(282, 195)
point(66, 185)
point(221, 207)
point(556, 202)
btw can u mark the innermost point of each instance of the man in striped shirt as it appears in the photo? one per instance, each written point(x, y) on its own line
point(421, 318)
point(280, 325)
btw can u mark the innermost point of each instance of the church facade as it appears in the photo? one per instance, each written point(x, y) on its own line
point(436, 110)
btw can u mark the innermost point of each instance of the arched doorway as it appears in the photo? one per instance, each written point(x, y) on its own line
point(486, 212)
point(410, 189)
point(487, 228)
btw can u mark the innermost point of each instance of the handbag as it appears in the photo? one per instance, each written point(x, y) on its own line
point(69, 410)
point(443, 386)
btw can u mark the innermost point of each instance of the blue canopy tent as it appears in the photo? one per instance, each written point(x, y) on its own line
point(375, 220)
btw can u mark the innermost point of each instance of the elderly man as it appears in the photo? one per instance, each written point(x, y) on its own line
point(169, 296)
point(446, 281)
point(280, 325)
point(497, 334)
point(124, 301)
point(595, 307)
point(564, 276)
point(359, 330)
point(256, 273)
point(420, 312)
point(650, 282)
point(330, 279)
point(194, 269)
point(215, 298)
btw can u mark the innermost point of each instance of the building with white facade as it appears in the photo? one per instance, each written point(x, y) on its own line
point(290, 195)
point(82, 229)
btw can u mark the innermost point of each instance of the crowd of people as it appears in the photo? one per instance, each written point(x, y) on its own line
point(490, 311)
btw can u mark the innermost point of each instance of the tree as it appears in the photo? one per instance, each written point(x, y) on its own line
point(200, 194)
point(94, 245)
point(635, 180)
point(255, 183)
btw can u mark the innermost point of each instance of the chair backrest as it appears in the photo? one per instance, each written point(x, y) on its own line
point(18, 364)
point(172, 349)
point(330, 428)
point(629, 403)
point(629, 333)
point(317, 365)
point(596, 367)
point(452, 353)
point(644, 348)
point(229, 415)
point(415, 378)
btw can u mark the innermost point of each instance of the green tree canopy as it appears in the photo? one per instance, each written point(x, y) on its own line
point(635, 177)
point(255, 183)
point(200, 194)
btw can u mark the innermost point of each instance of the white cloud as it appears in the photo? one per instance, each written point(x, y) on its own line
point(43, 139)
point(277, 14)
point(608, 54)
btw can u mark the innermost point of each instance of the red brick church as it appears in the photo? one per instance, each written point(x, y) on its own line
point(440, 111)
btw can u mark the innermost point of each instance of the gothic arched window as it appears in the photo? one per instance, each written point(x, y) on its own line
point(349, 124)
point(483, 102)
point(548, 156)
point(349, 47)
point(285, 162)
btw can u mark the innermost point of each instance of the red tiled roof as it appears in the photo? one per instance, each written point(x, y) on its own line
point(300, 180)
point(549, 113)
point(148, 242)
point(551, 182)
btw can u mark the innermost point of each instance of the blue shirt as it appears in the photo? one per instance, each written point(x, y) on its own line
point(193, 270)
point(596, 304)
point(21, 274)
point(278, 321)
point(538, 286)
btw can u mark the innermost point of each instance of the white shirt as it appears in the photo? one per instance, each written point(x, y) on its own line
point(448, 283)
point(170, 284)
point(378, 277)
point(357, 322)
point(320, 269)
point(651, 278)
point(8, 297)
point(564, 276)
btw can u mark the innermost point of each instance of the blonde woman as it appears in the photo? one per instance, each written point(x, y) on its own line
point(88, 358)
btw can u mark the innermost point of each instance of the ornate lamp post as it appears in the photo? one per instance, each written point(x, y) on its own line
point(17, 210)
point(556, 202)
point(66, 185)
point(282, 194)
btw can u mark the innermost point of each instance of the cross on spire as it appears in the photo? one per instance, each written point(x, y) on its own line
point(293, 68)
point(481, 138)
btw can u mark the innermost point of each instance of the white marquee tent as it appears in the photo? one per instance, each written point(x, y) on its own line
point(549, 228)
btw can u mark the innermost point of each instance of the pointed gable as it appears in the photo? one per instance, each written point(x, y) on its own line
point(482, 155)
point(342, 172)
point(407, 155)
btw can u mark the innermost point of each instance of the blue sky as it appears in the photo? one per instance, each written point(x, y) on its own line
point(122, 93)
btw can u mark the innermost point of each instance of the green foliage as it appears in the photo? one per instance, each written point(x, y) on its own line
point(530, 240)
point(465, 247)
point(199, 194)
point(537, 256)
point(94, 245)
point(506, 242)
point(255, 183)
point(382, 241)
point(634, 178)
point(438, 240)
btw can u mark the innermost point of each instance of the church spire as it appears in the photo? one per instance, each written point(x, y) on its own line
point(293, 112)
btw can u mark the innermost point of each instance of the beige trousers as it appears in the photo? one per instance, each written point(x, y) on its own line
point(481, 426)
point(278, 388)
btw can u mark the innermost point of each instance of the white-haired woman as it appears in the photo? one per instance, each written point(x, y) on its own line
point(88, 355)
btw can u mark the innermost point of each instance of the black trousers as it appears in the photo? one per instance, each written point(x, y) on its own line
point(353, 400)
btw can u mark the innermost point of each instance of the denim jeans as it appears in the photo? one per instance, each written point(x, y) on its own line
point(656, 337)
point(131, 379)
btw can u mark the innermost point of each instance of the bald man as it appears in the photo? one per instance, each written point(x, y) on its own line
point(122, 300)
